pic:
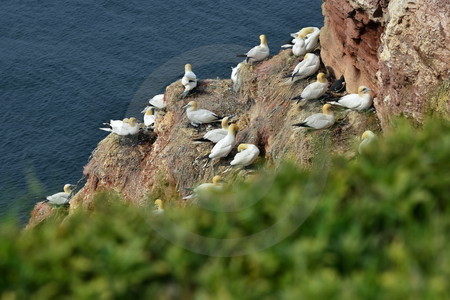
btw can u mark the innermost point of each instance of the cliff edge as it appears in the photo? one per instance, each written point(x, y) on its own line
point(398, 48)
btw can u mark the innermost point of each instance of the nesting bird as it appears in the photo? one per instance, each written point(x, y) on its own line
point(235, 77)
point(123, 127)
point(247, 154)
point(360, 101)
point(225, 145)
point(158, 101)
point(307, 67)
point(338, 85)
point(205, 188)
point(311, 38)
point(314, 90)
point(149, 116)
point(257, 53)
point(367, 138)
point(61, 197)
point(319, 121)
point(199, 116)
point(189, 80)
point(159, 207)
point(215, 135)
point(307, 39)
point(298, 45)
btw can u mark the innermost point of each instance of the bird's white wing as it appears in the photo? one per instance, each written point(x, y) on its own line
point(158, 101)
point(319, 121)
point(215, 135)
point(205, 116)
point(351, 101)
point(258, 53)
point(149, 120)
point(59, 198)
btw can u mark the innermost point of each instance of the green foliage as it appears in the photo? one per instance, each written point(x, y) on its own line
point(378, 229)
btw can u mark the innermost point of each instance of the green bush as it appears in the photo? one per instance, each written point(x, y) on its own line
point(378, 229)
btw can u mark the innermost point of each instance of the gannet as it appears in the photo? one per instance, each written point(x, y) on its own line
point(307, 67)
point(158, 101)
point(215, 135)
point(235, 77)
point(159, 207)
point(62, 197)
point(257, 53)
point(207, 187)
point(360, 101)
point(320, 120)
point(367, 138)
point(189, 80)
point(225, 145)
point(312, 38)
point(338, 85)
point(314, 90)
point(149, 117)
point(247, 154)
point(299, 47)
point(310, 35)
point(199, 116)
point(123, 127)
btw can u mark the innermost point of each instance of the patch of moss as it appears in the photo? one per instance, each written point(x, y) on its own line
point(438, 101)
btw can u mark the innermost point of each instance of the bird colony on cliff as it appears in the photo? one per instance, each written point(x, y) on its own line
point(305, 45)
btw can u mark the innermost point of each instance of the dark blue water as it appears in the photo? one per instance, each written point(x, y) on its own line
point(68, 66)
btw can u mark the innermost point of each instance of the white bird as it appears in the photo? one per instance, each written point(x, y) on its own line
point(215, 135)
point(235, 77)
point(257, 53)
point(225, 145)
point(199, 116)
point(247, 154)
point(359, 102)
point(320, 120)
point(62, 197)
point(189, 80)
point(123, 127)
point(205, 188)
point(314, 90)
point(311, 37)
point(307, 67)
point(158, 101)
point(299, 47)
point(149, 117)
point(159, 207)
point(367, 138)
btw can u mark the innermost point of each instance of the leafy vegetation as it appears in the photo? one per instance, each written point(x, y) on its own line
point(377, 229)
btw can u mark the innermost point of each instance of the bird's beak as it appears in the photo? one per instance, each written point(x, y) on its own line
point(369, 90)
point(186, 106)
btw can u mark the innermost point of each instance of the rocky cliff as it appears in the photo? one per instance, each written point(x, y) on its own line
point(398, 48)
point(160, 166)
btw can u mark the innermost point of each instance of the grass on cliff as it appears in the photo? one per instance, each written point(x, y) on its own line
point(377, 229)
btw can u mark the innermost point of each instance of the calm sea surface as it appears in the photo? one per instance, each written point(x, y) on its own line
point(68, 66)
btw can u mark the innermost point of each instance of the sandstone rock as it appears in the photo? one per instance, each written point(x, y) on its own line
point(399, 48)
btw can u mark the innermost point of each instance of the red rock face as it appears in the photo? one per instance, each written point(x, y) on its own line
point(399, 48)
point(350, 42)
